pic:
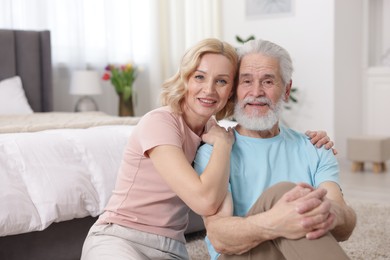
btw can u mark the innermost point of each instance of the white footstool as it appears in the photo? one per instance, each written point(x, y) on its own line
point(374, 149)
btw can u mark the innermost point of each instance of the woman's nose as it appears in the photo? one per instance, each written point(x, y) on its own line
point(209, 87)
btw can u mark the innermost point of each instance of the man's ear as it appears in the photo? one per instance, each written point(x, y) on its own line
point(287, 91)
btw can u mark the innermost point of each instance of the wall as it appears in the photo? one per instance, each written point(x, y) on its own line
point(376, 67)
point(325, 46)
point(349, 71)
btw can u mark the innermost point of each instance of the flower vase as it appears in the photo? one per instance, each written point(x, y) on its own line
point(126, 106)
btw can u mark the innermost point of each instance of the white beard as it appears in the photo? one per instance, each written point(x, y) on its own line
point(255, 121)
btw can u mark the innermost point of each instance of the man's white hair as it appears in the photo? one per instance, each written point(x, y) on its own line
point(269, 49)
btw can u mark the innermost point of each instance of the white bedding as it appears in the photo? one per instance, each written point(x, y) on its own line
point(59, 120)
point(53, 175)
point(57, 175)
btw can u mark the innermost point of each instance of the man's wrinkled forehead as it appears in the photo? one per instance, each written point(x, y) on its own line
point(255, 62)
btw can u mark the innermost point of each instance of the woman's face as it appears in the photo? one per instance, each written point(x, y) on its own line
point(209, 86)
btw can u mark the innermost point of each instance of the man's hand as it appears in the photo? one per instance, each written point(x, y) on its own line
point(320, 223)
point(303, 211)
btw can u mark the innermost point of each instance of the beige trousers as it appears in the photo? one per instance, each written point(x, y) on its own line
point(324, 248)
point(115, 242)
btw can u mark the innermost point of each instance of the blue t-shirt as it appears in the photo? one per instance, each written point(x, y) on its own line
point(257, 164)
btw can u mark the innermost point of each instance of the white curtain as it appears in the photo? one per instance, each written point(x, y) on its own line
point(153, 34)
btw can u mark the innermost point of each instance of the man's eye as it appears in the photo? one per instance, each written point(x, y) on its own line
point(268, 83)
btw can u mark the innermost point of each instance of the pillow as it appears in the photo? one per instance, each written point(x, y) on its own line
point(13, 101)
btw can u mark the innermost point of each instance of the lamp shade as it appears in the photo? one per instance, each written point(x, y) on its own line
point(85, 82)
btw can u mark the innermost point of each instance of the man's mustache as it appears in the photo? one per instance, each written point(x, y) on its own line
point(263, 100)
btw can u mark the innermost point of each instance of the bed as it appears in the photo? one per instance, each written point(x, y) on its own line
point(57, 169)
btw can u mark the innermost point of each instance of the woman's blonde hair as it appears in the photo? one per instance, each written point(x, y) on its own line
point(175, 88)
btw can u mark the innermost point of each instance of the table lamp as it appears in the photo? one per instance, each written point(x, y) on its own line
point(85, 83)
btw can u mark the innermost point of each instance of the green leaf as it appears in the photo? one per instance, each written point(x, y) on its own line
point(240, 40)
point(250, 38)
point(293, 99)
point(127, 92)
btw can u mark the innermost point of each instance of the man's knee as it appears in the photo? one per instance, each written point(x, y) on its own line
point(281, 187)
point(270, 196)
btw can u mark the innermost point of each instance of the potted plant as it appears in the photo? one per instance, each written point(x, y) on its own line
point(122, 78)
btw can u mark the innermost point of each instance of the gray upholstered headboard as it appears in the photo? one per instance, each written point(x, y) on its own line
point(28, 54)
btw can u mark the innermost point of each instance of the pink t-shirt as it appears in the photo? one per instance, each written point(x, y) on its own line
point(141, 198)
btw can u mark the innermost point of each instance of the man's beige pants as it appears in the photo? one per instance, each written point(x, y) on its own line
point(324, 248)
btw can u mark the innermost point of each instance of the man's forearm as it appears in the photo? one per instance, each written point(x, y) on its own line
point(236, 235)
point(343, 232)
point(345, 215)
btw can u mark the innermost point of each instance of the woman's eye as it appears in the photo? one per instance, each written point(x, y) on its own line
point(199, 77)
point(221, 82)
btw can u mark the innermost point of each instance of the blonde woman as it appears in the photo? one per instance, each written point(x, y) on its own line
point(156, 185)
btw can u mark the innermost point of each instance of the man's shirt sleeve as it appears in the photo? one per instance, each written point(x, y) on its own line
point(202, 158)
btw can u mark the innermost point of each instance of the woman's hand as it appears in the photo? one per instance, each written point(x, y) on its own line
point(217, 133)
point(321, 138)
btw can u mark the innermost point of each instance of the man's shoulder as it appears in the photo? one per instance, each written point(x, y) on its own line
point(291, 134)
point(301, 140)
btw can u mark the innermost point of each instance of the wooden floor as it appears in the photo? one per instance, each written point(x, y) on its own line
point(365, 185)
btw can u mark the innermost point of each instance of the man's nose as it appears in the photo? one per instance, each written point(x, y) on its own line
point(258, 89)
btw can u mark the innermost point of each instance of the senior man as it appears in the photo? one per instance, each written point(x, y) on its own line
point(284, 200)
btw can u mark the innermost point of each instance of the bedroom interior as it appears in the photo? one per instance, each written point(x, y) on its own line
point(345, 102)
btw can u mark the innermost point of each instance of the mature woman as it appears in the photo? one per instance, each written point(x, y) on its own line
point(148, 212)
